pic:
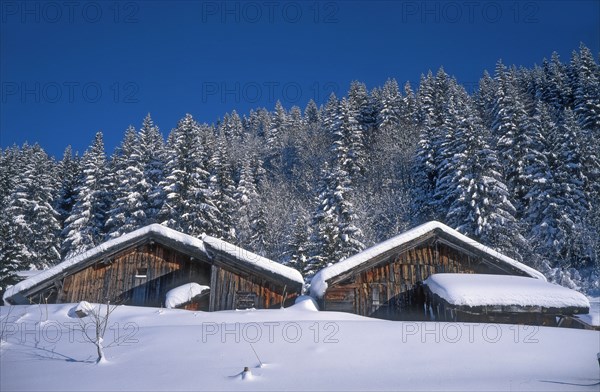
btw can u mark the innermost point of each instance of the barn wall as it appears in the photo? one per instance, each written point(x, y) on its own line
point(121, 280)
point(390, 290)
point(238, 291)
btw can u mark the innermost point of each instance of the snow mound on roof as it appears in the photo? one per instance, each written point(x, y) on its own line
point(182, 294)
point(252, 258)
point(305, 303)
point(318, 285)
point(488, 290)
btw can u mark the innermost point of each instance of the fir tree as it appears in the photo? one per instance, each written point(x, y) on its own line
point(222, 187)
point(151, 163)
point(128, 211)
point(509, 122)
point(85, 227)
point(69, 176)
point(188, 205)
point(246, 198)
point(30, 211)
point(299, 244)
point(482, 208)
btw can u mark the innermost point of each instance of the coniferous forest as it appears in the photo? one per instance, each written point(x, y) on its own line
point(514, 165)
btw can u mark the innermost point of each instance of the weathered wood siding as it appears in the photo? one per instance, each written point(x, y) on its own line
point(116, 280)
point(121, 281)
point(229, 287)
point(390, 290)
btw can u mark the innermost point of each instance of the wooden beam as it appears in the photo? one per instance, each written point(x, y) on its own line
point(213, 287)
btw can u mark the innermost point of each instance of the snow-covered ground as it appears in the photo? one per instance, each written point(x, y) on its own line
point(296, 348)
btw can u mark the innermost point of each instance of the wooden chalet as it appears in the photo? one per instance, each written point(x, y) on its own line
point(139, 268)
point(385, 281)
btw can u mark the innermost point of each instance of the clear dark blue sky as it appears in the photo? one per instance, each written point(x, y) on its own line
point(69, 69)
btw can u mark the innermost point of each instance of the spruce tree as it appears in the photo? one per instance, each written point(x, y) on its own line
point(151, 162)
point(188, 205)
point(127, 212)
point(85, 227)
point(30, 211)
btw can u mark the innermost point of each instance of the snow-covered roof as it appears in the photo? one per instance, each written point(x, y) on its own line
point(489, 290)
point(252, 258)
point(319, 282)
point(28, 273)
point(161, 234)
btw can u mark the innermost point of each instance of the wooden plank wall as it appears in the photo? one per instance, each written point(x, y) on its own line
point(165, 269)
point(227, 284)
point(390, 288)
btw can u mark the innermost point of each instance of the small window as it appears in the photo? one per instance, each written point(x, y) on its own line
point(140, 277)
point(141, 273)
point(375, 296)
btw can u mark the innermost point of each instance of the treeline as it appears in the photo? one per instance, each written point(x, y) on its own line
point(515, 165)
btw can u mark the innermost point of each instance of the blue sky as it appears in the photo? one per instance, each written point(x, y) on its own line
point(69, 69)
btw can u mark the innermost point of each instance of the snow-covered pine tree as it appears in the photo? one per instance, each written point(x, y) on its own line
point(258, 236)
point(350, 234)
point(10, 167)
point(388, 118)
point(128, 210)
point(385, 148)
point(348, 146)
point(559, 225)
point(246, 197)
point(536, 174)
point(554, 87)
point(450, 148)
point(482, 208)
point(364, 111)
point(312, 148)
point(299, 242)
point(586, 91)
point(30, 211)
point(69, 177)
point(231, 127)
point(222, 186)
point(275, 140)
point(336, 235)
point(13, 254)
point(508, 124)
point(485, 98)
point(85, 226)
point(331, 115)
point(188, 205)
point(325, 233)
point(431, 98)
point(152, 163)
point(586, 96)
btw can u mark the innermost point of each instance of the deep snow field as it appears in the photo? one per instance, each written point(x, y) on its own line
point(297, 348)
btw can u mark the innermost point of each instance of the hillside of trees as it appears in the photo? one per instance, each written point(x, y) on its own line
point(514, 165)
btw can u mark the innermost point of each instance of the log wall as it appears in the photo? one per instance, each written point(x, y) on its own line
point(120, 279)
point(234, 291)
